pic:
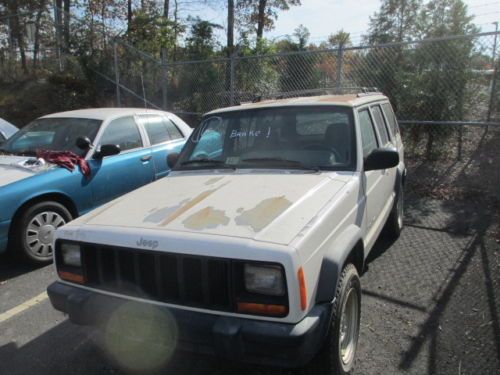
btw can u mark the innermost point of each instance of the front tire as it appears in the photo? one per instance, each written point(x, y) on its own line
point(35, 229)
point(394, 224)
point(338, 353)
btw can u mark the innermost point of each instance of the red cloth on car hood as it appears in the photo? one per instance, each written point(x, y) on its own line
point(65, 159)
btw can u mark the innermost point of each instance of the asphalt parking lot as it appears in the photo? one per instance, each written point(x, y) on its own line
point(431, 305)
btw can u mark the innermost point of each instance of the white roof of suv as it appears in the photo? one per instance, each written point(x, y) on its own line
point(342, 100)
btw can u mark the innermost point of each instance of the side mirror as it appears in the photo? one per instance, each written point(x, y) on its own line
point(83, 143)
point(107, 150)
point(172, 159)
point(381, 158)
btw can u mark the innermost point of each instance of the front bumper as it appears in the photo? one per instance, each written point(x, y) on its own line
point(246, 340)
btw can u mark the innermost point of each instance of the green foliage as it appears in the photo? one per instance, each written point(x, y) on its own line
point(394, 22)
point(151, 32)
point(247, 15)
point(340, 39)
point(201, 43)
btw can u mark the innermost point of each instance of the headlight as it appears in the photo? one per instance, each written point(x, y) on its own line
point(266, 280)
point(71, 254)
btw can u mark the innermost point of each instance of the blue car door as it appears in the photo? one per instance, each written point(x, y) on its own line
point(116, 175)
point(164, 137)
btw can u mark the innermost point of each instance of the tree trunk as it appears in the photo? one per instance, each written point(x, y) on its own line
point(36, 42)
point(58, 22)
point(166, 5)
point(103, 17)
point(129, 14)
point(176, 18)
point(66, 15)
point(261, 20)
point(16, 30)
point(230, 27)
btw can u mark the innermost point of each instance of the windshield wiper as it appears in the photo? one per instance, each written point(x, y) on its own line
point(295, 163)
point(219, 163)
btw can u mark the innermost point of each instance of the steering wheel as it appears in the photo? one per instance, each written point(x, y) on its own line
point(320, 146)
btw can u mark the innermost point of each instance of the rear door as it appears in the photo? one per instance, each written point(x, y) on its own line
point(393, 126)
point(385, 140)
point(373, 180)
point(116, 175)
point(164, 138)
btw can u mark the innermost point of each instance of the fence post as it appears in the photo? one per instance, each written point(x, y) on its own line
point(460, 141)
point(117, 75)
point(232, 78)
point(340, 62)
point(164, 78)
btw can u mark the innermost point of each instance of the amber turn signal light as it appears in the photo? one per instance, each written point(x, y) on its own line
point(262, 309)
point(70, 276)
point(302, 289)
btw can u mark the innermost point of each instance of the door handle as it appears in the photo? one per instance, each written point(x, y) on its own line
point(146, 158)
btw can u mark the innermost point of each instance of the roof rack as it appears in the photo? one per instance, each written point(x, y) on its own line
point(359, 91)
point(366, 91)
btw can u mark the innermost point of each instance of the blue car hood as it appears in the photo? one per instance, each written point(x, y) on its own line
point(16, 168)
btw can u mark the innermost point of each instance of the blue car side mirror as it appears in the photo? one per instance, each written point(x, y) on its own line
point(107, 150)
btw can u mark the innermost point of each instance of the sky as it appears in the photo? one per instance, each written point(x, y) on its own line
point(324, 17)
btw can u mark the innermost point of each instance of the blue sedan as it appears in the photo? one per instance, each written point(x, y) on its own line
point(125, 149)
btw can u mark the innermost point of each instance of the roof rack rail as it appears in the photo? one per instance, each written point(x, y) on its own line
point(359, 91)
point(365, 91)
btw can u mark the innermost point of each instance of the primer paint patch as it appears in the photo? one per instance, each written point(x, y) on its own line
point(264, 213)
point(157, 215)
point(206, 218)
point(190, 203)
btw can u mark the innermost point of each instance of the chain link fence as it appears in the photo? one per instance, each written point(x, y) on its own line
point(444, 92)
point(443, 79)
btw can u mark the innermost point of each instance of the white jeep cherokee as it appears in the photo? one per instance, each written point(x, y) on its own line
point(252, 248)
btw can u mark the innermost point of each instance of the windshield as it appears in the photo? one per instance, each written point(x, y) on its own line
point(309, 137)
point(56, 134)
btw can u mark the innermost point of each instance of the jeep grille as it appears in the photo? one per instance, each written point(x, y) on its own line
point(172, 278)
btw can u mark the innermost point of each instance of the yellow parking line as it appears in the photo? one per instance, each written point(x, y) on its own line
point(23, 306)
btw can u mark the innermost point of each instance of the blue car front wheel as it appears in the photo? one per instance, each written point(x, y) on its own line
point(35, 230)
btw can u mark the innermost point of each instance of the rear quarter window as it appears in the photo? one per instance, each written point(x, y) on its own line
point(391, 118)
point(381, 125)
point(368, 137)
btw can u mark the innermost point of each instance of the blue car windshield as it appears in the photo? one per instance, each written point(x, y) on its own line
point(308, 137)
point(55, 134)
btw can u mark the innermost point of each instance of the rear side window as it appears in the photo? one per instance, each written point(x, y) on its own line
point(156, 129)
point(2, 138)
point(380, 123)
point(122, 132)
point(368, 138)
point(389, 115)
point(173, 132)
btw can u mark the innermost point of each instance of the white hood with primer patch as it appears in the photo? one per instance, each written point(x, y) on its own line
point(16, 168)
point(260, 206)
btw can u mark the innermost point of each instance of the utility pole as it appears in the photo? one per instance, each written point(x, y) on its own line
point(494, 79)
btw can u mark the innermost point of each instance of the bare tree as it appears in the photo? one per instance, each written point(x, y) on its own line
point(230, 26)
point(166, 5)
point(66, 17)
point(36, 43)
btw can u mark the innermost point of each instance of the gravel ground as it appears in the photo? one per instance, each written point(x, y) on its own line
point(430, 305)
